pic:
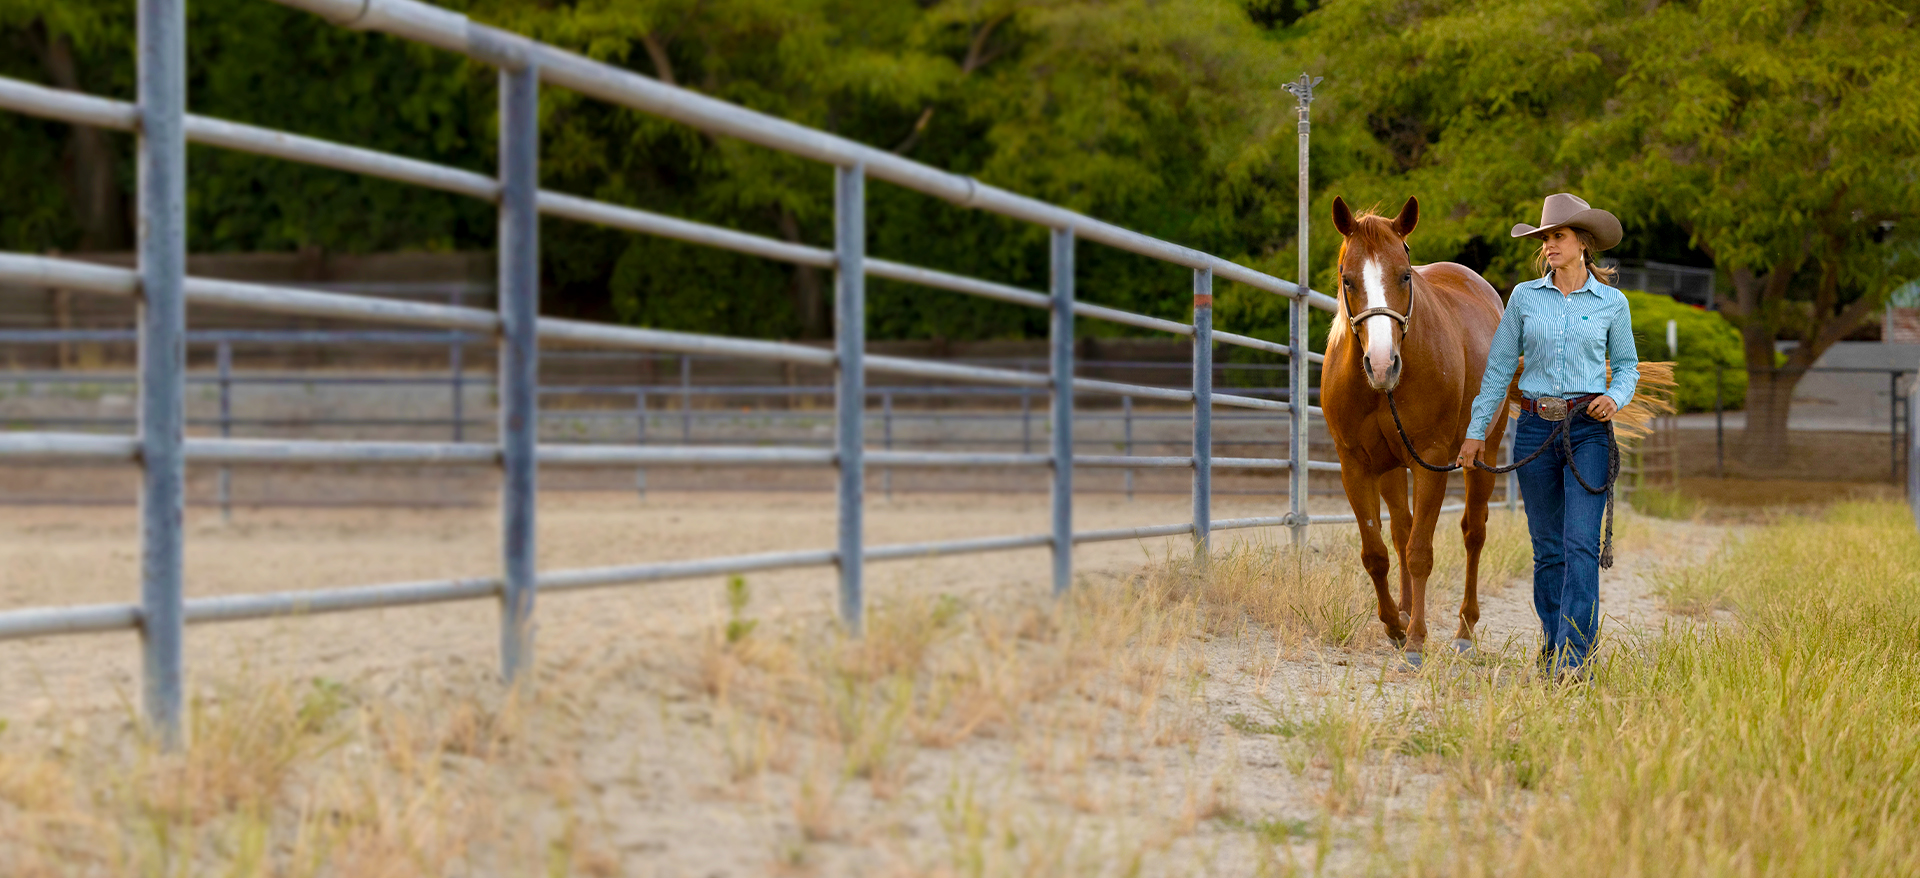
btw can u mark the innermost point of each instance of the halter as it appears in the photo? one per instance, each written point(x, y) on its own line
point(1354, 320)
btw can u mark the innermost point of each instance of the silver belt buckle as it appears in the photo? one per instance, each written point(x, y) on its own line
point(1551, 408)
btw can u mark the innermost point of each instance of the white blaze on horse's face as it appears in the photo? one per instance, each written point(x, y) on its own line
point(1380, 330)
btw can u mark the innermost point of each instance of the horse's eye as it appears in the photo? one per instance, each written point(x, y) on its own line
point(1407, 278)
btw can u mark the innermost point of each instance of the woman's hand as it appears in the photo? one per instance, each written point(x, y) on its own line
point(1601, 408)
point(1470, 452)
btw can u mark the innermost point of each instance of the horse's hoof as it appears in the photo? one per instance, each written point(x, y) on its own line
point(1399, 641)
point(1412, 659)
point(1463, 646)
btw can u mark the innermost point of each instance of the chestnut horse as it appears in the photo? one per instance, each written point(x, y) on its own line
point(1420, 333)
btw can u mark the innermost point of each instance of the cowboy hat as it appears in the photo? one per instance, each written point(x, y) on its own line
point(1564, 210)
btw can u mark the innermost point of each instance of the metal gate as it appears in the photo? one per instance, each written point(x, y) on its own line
point(162, 289)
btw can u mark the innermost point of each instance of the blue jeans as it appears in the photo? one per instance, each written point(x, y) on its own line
point(1564, 521)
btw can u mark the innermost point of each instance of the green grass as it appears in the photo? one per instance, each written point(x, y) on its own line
point(1787, 743)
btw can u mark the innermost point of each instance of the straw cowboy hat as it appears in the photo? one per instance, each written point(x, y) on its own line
point(1563, 210)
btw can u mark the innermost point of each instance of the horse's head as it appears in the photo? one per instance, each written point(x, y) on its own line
point(1376, 287)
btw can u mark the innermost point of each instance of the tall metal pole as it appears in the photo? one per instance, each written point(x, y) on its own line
point(1060, 350)
point(1202, 405)
point(162, 230)
point(519, 359)
point(850, 383)
point(1297, 380)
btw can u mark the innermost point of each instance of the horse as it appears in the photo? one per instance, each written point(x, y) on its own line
point(1421, 334)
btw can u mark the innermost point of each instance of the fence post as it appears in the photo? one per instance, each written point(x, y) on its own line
point(162, 230)
point(1202, 405)
point(686, 399)
point(1719, 425)
point(1893, 425)
point(850, 385)
point(1026, 420)
point(886, 432)
point(519, 359)
point(640, 415)
point(1060, 349)
point(457, 365)
point(1126, 426)
point(1297, 381)
point(224, 357)
point(1913, 447)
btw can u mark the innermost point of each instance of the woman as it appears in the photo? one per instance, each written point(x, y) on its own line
point(1577, 337)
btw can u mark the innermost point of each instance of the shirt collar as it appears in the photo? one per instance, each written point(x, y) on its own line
point(1591, 286)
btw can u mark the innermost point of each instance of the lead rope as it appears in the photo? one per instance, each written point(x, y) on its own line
point(1565, 436)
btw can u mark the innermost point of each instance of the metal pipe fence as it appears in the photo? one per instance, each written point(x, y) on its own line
point(162, 287)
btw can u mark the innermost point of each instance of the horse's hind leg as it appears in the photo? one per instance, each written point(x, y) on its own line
point(1362, 496)
point(1393, 489)
point(1473, 532)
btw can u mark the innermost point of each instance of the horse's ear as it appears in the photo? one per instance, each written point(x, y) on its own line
point(1408, 218)
point(1342, 217)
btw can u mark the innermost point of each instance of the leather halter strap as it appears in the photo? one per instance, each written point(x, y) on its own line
point(1354, 320)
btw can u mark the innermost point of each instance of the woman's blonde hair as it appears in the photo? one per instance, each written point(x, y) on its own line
point(1605, 274)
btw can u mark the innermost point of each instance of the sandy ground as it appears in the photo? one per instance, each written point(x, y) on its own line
point(652, 759)
point(56, 555)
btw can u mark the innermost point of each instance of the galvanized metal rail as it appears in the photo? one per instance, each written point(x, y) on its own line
point(161, 284)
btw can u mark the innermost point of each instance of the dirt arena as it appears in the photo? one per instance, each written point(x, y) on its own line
point(52, 555)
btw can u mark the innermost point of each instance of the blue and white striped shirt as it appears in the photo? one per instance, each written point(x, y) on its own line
point(1568, 342)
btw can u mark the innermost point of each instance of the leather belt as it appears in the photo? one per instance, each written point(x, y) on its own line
point(1553, 408)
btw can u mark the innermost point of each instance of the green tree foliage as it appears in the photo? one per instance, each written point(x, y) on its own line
point(249, 62)
point(1780, 139)
point(1154, 115)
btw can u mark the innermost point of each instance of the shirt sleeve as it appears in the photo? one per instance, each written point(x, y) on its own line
point(1503, 357)
point(1623, 357)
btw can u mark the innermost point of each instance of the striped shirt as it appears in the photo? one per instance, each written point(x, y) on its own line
point(1568, 340)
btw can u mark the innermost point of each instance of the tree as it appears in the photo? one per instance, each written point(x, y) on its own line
point(57, 38)
point(1782, 138)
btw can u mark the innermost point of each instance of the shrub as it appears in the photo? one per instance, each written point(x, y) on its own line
point(1706, 339)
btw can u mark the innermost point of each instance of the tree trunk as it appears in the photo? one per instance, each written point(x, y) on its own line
point(91, 179)
point(809, 305)
point(1763, 444)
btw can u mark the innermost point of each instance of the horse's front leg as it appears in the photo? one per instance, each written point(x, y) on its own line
point(1473, 533)
point(1429, 493)
point(1363, 496)
point(1393, 489)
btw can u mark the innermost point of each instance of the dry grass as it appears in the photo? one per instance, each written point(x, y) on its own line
point(315, 779)
point(994, 734)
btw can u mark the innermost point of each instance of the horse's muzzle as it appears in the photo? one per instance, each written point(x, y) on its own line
point(1384, 384)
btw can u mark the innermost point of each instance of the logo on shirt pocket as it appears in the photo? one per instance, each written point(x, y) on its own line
point(1592, 332)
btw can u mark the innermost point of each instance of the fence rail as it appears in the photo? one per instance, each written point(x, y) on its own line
point(163, 288)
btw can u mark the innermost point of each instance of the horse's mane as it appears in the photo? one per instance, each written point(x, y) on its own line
point(1373, 230)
